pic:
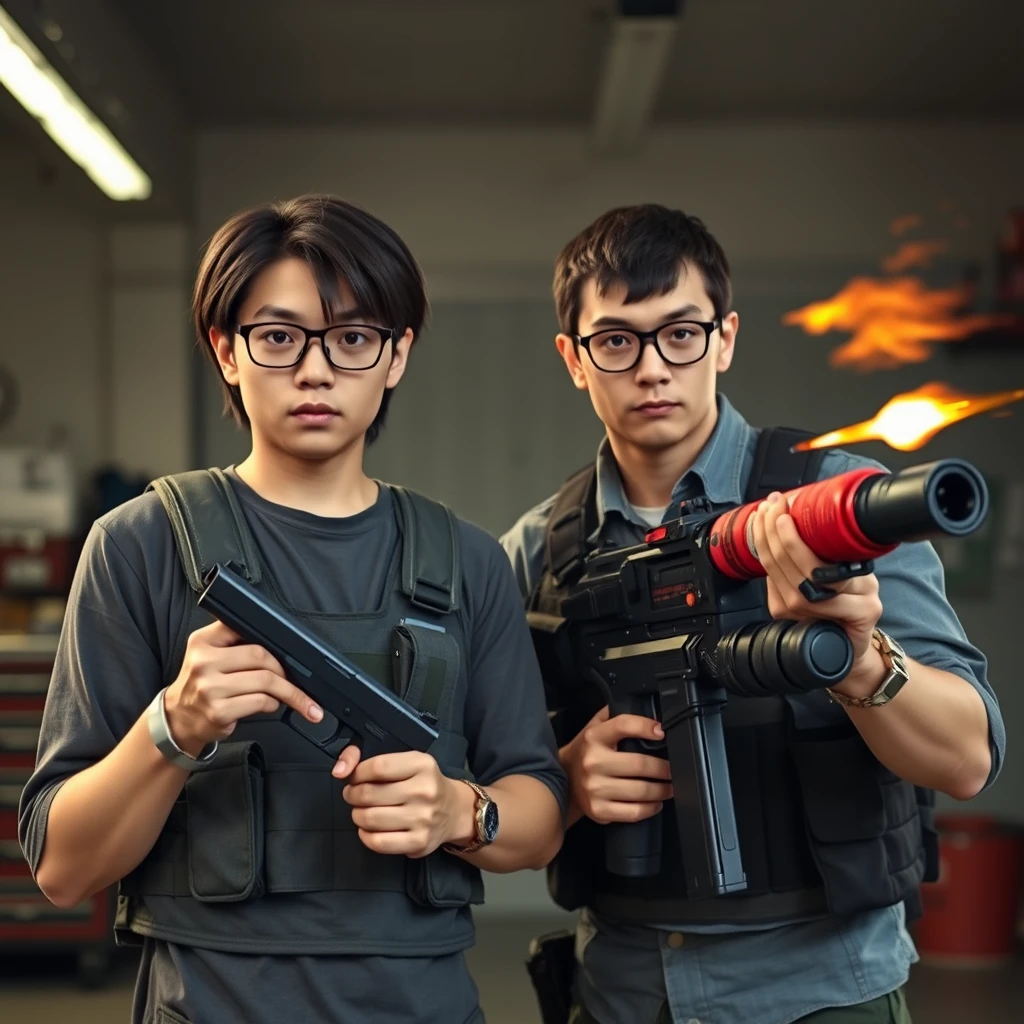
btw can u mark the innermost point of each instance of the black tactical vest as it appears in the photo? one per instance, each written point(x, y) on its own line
point(823, 826)
point(259, 853)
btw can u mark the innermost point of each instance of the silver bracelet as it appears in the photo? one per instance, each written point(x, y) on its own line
point(156, 719)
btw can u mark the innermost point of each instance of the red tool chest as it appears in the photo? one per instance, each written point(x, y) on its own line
point(28, 920)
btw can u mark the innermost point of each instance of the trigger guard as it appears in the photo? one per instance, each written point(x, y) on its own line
point(332, 743)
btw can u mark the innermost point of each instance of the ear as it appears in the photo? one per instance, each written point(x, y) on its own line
point(224, 349)
point(567, 350)
point(399, 358)
point(729, 329)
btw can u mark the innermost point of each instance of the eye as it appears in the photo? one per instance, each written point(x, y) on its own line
point(351, 338)
point(276, 336)
point(615, 340)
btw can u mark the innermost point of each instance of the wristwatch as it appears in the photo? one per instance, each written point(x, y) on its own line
point(486, 818)
point(156, 719)
point(895, 661)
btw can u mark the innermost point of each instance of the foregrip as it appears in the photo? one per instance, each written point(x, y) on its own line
point(633, 849)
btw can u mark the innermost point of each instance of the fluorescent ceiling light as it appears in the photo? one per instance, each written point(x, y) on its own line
point(639, 51)
point(68, 121)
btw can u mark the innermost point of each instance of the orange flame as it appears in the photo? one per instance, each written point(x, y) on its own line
point(913, 254)
point(893, 322)
point(901, 225)
point(909, 421)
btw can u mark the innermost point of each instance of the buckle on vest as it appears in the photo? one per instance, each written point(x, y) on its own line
point(430, 596)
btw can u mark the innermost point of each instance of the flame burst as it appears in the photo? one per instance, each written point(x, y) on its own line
point(893, 322)
point(914, 254)
point(909, 421)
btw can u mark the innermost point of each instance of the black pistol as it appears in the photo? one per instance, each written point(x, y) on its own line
point(357, 709)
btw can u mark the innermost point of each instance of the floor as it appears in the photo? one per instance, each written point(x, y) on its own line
point(45, 991)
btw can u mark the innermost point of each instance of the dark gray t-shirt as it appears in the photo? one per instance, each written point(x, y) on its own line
point(125, 607)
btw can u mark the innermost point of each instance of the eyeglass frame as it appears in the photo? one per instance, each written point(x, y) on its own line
point(650, 338)
point(244, 330)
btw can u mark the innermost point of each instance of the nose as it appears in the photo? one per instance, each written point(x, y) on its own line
point(652, 369)
point(314, 370)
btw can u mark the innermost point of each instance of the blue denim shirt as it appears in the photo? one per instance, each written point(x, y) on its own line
point(742, 974)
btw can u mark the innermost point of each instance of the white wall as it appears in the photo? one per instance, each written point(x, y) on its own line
point(94, 322)
point(52, 315)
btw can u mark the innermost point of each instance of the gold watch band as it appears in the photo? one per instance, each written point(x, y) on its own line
point(896, 674)
point(481, 800)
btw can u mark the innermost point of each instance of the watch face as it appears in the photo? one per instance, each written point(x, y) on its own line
point(490, 822)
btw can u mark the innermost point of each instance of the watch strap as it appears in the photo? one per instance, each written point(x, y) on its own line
point(895, 662)
point(160, 733)
point(482, 799)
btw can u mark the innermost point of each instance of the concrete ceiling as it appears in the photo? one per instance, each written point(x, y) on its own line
point(443, 61)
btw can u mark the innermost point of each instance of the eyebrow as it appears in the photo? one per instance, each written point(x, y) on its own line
point(683, 313)
point(289, 315)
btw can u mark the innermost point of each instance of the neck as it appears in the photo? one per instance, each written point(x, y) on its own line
point(334, 487)
point(650, 475)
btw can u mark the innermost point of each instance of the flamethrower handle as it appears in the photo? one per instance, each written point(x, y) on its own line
point(633, 849)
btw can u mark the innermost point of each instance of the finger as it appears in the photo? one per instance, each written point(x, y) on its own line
point(794, 561)
point(632, 791)
point(620, 727)
point(246, 658)
point(757, 530)
point(622, 765)
point(216, 634)
point(227, 710)
point(624, 812)
point(267, 682)
point(376, 794)
point(392, 767)
point(382, 819)
point(393, 843)
point(347, 761)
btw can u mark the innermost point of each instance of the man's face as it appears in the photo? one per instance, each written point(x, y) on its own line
point(654, 405)
point(311, 410)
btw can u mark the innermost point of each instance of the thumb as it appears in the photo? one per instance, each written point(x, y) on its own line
point(635, 727)
point(347, 761)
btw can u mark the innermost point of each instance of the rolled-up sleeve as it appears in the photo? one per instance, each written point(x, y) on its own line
point(917, 613)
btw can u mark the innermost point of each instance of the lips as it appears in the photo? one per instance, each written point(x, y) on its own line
point(314, 409)
point(658, 405)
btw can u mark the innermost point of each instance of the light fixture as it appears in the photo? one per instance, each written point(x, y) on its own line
point(640, 47)
point(37, 86)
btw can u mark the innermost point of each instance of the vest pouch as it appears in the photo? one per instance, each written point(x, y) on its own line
point(443, 879)
point(426, 667)
point(846, 811)
point(225, 834)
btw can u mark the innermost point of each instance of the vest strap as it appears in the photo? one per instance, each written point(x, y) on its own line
point(208, 524)
point(777, 467)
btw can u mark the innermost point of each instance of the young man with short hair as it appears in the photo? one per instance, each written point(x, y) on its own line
point(259, 887)
point(833, 794)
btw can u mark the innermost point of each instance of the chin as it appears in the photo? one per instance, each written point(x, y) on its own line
point(656, 436)
point(321, 446)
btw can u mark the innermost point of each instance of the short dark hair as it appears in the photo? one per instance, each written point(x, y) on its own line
point(339, 241)
point(643, 248)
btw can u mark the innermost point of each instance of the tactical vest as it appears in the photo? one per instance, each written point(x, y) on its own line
point(823, 826)
point(259, 853)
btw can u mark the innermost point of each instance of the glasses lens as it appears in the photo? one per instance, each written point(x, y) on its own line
point(276, 344)
point(354, 347)
point(682, 343)
point(614, 350)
